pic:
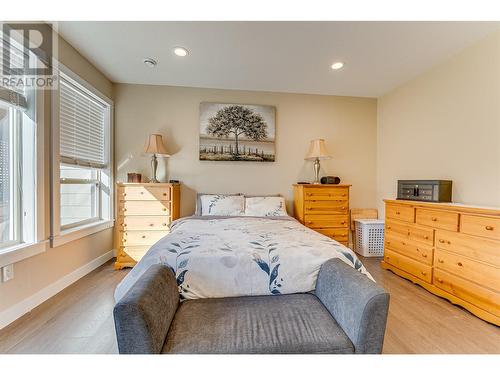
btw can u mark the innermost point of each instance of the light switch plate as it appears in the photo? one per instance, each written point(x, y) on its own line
point(7, 273)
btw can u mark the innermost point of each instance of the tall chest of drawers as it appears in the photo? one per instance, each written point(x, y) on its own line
point(451, 250)
point(324, 208)
point(145, 211)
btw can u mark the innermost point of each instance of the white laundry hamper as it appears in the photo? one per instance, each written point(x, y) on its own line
point(369, 237)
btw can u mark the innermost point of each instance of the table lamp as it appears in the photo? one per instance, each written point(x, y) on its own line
point(154, 145)
point(317, 152)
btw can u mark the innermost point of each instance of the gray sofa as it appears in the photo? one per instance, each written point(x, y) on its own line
point(347, 313)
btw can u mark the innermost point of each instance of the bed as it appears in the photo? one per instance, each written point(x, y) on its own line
point(230, 256)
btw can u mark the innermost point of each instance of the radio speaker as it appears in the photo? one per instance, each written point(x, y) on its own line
point(330, 180)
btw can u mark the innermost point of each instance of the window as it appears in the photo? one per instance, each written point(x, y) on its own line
point(19, 187)
point(83, 154)
point(10, 202)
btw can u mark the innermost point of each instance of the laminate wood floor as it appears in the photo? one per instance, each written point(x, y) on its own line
point(79, 320)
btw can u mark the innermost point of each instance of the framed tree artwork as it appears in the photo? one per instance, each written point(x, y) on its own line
point(237, 132)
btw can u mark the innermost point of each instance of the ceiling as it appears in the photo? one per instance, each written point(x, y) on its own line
point(273, 56)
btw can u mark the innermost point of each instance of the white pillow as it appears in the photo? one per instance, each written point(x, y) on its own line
point(222, 205)
point(265, 206)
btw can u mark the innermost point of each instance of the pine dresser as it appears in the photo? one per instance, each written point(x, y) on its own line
point(323, 208)
point(145, 211)
point(451, 250)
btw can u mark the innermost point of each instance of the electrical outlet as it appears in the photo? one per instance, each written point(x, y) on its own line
point(7, 273)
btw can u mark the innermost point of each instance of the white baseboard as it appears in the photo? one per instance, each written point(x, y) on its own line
point(15, 312)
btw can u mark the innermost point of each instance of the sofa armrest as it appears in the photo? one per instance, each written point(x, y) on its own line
point(357, 304)
point(143, 315)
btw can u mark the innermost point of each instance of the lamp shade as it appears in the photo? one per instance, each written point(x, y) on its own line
point(154, 145)
point(317, 149)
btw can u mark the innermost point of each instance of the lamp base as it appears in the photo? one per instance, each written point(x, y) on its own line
point(154, 167)
point(316, 172)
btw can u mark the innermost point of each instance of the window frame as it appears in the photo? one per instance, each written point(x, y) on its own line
point(64, 234)
point(37, 243)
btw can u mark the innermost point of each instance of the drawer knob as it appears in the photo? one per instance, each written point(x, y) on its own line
point(164, 209)
point(142, 192)
point(459, 264)
point(398, 213)
point(439, 280)
point(488, 227)
point(344, 208)
point(404, 244)
point(424, 255)
point(124, 209)
point(124, 225)
point(442, 241)
point(434, 219)
point(164, 194)
point(342, 222)
point(440, 261)
point(426, 237)
point(164, 224)
point(124, 194)
point(144, 236)
point(151, 225)
point(124, 240)
point(448, 242)
point(423, 273)
point(388, 227)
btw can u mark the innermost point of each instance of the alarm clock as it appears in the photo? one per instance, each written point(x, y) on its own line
point(330, 180)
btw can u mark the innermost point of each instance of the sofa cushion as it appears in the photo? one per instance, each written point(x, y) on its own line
point(294, 323)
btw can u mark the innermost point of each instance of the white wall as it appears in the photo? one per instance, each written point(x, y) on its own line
point(445, 124)
point(347, 124)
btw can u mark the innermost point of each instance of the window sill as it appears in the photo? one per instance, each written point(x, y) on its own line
point(20, 252)
point(74, 234)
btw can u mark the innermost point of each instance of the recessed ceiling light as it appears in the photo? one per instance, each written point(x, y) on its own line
point(180, 51)
point(337, 65)
point(150, 62)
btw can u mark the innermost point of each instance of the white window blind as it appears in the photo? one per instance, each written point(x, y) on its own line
point(82, 126)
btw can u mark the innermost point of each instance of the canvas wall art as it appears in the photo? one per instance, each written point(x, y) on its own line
point(237, 132)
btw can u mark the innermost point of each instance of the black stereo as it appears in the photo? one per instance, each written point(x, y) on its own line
point(425, 190)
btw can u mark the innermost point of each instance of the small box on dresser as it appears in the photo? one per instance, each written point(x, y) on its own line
point(144, 213)
point(323, 208)
point(451, 250)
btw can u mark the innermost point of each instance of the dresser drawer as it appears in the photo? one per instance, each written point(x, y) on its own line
point(326, 207)
point(417, 269)
point(341, 194)
point(144, 222)
point(414, 250)
point(480, 226)
point(469, 269)
point(479, 296)
point(437, 219)
point(481, 249)
point(326, 221)
point(412, 232)
point(340, 235)
point(143, 193)
point(145, 208)
point(398, 228)
point(400, 212)
point(142, 237)
point(133, 252)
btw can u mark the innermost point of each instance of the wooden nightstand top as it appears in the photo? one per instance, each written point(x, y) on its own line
point(322, 185)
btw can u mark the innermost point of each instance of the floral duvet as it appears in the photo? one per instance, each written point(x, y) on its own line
point(240, 256)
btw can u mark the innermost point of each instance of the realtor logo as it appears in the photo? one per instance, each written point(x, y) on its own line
point(28, 55)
